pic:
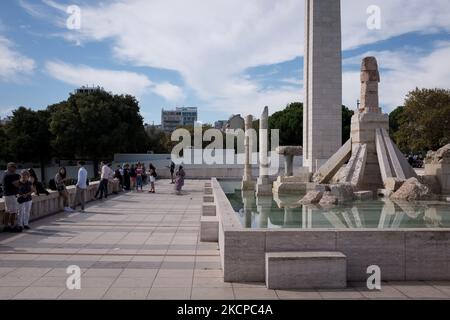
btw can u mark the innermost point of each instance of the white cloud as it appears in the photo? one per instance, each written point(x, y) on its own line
point(405, 70)
point(13, 65)
point(212, 43)
point(169, 91)
point(119, 82)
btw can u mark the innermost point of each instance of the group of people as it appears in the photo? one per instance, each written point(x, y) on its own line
point(136, 176)
point(18, 189)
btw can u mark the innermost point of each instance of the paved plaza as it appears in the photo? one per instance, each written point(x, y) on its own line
point(145, 246)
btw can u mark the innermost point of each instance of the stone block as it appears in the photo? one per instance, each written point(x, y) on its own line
point(209, 210)
point(364, 195)
point(244, 256)
point(209, 229)
point(208, 199)
point(393, 184)
point(306, 270)
point(344, 192)
point(208, 191)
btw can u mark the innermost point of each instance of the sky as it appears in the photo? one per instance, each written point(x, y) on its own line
point(223, 56)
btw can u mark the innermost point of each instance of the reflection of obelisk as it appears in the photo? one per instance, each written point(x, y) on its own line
point(322, 115)
point(247, 181)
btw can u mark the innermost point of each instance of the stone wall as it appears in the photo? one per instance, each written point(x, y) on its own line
point(47, 205)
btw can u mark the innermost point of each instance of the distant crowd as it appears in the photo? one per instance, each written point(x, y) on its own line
point(18, 188)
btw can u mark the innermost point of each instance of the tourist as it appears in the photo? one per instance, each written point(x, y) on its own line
point(10, 184)
point(25, 200)
point(172, 171)
point(153, 176)
point(104, 180)
point(38, 186)
point(133, 177)
point(60, 182)
point(126, 177)
point(82, 184)
point(139, 181)
point(179, 181)
point(118, 174)
point(144, 175)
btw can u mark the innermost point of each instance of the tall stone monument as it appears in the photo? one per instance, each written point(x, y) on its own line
point(264, 187)
point(322, 115)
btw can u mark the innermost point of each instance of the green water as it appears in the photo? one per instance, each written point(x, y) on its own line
point(273, 213)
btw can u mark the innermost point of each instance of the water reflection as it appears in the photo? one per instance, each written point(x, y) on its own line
point(284, 212)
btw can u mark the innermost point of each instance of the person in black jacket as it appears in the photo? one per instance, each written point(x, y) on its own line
point(38, 186)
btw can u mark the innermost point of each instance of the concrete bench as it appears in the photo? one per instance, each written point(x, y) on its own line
point(209, 210)
point(208, 199)
point(209, 229)
point(306, 270)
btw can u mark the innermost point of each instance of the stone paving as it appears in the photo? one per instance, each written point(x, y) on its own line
point(146, 246)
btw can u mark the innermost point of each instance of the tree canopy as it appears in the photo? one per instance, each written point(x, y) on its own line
point(423, 123)
point(105, 123)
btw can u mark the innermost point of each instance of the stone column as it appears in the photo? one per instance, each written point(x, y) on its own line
point(247, 181)
point(322, 112)
point(370, 77)
point(264, 187)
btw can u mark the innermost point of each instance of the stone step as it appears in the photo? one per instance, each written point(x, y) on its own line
point(306, 270)
point(209, 229)
point(209, 210)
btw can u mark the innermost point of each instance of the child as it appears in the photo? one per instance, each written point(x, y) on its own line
point(153, 176)
point(25, 200)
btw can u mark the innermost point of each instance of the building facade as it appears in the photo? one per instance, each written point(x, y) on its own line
point(172, 119)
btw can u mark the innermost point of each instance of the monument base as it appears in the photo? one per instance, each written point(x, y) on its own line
point(291, 185)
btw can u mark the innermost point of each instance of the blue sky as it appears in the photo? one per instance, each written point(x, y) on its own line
point(224, 57)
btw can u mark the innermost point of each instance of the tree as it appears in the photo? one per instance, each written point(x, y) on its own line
point(425, 120)
point(157, 140)
point(3, 145)
point(347, 115)
point(29, 138)
point(394, 120)
point(97, 125)
point(290, 123)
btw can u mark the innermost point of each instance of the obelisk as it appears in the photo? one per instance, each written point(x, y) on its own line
point(322, 111)
point(247, 180)
point(264, 187)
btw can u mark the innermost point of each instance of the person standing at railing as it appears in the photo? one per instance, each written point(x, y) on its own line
point(10, 184)
point(106, 174)
point(82, 184)
point(60, 181)
point(25, 200)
